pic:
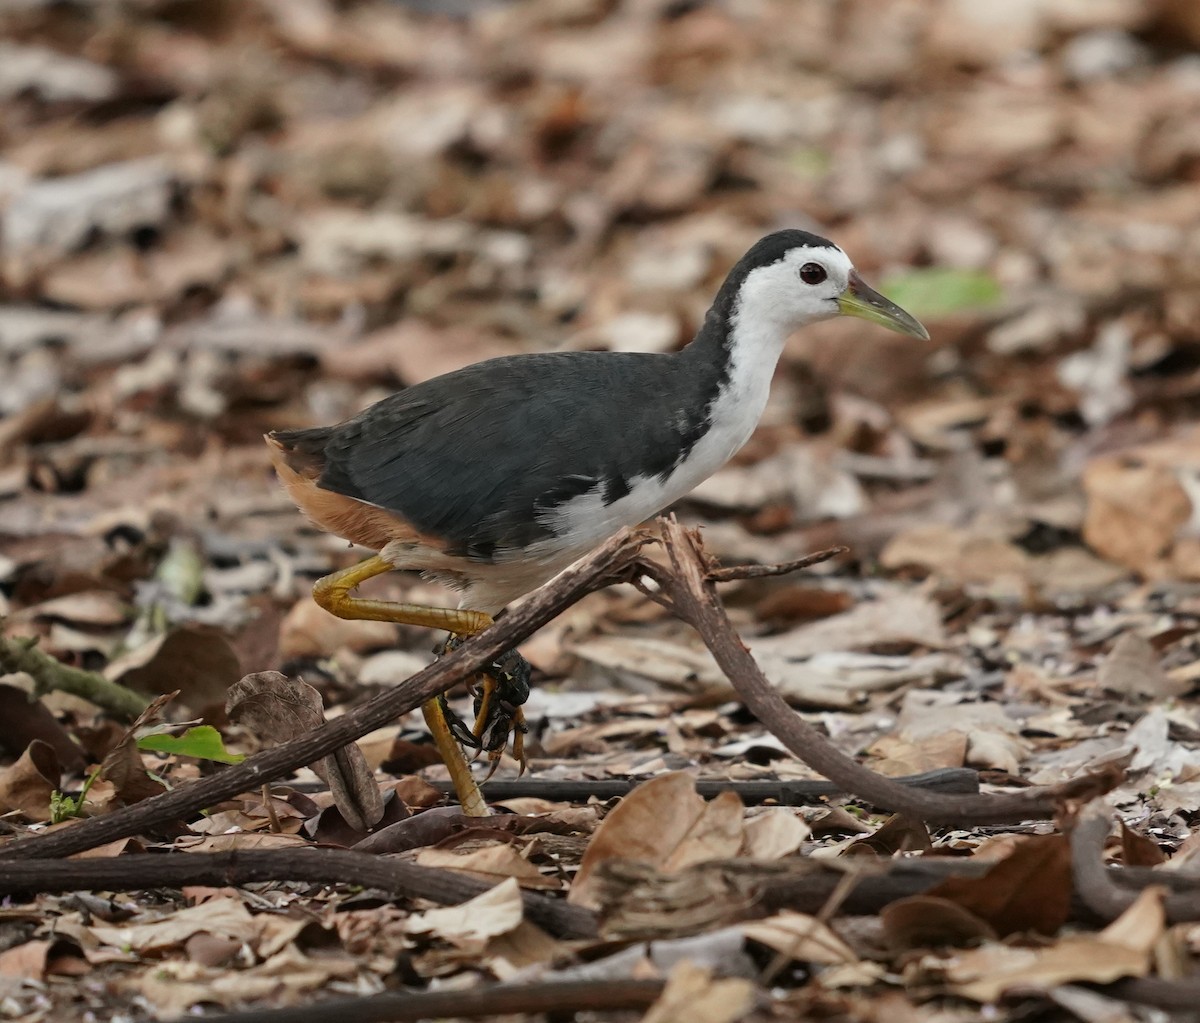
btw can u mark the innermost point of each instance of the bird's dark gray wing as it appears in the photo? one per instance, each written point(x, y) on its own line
point(478, 456)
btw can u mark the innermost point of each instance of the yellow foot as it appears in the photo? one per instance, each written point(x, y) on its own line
point(499, 692)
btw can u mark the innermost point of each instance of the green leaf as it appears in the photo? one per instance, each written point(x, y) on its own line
point(810, 162)
point(62, 806)
point(203, 742)
point(939, 291)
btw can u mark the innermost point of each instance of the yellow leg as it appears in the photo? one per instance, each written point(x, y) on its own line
point(333, 594)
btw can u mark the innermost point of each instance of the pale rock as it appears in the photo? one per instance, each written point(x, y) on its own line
point(1102, 53)
point(961, 242)
point(1038, 328)
point(1100, 375)
point(59, 214)
point(53, 76)
point(641, 332)
point(391, 667)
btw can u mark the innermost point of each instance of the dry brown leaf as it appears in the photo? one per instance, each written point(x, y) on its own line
point(274, 707)
point(196, 661)
point(960, 557)
point(992, 736)
point(666, 824)
point(507, 955)
point(984, 974)
point(800, 937)
point(897, 834)
point(27, 960)
point(693, 995)
point(493, 862)
point(176, 985)
point(211, 950)
point(1134, 511)
point(899, 617)
point(905, 756)
point(242, 840)
point(1123, 949)
point(279, 709)
point(1141, 925)
point(23, 719)
point(774, 833)
point(1133, 668)
point(224, 917)
point(94, 608)
point(1028, 890)
point(123, 765)
point(475, 922)
point(1139, 851)
point(925, 921)
point(672, 664)
point(28, 784)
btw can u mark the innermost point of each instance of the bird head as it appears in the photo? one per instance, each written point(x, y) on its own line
point(793, 278)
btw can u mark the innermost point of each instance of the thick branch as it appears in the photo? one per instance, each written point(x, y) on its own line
point(50, 675)
point(689, 586)
point(319, 866)
point(1109, 891)
point(487, 1001)
point(790, 792)
point(610, 563)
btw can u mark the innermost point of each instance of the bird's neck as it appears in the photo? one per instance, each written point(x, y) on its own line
point(736, 352)
point(728, 368)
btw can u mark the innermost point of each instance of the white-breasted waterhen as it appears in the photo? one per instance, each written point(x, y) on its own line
point(497, 476)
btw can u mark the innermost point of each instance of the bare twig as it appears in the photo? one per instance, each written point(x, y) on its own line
point(726, 574)
point(1181, 998)
point(561, 997)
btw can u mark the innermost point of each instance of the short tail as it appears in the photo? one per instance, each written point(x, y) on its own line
point(300, 451)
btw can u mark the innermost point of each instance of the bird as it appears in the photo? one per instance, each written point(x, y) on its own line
point(495, 477)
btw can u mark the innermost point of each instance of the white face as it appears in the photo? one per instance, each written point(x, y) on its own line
point(801, 288)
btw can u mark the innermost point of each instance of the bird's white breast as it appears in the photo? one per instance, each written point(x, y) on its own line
point(586, 520)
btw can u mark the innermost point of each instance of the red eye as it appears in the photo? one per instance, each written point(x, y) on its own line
point(812, 273)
